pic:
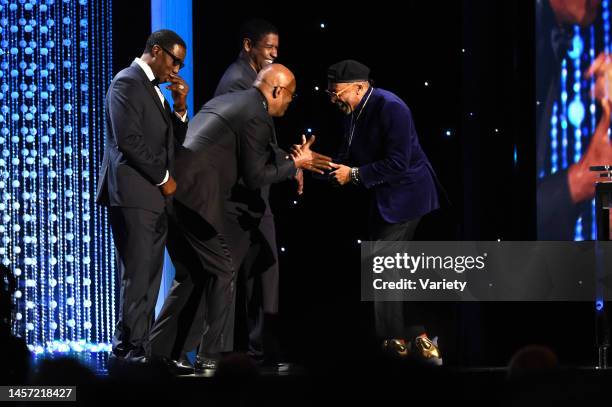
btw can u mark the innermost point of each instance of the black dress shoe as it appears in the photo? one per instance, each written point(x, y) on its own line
point(137, 360)
point(182, 367)
point(185, 362)
point(174, 367)
point(204, 365)
point(274, 365)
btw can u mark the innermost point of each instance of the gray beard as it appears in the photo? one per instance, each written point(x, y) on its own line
point(344, 107)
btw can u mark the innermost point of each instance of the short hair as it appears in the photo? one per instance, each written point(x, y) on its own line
point(256, 29)
point(164, 38)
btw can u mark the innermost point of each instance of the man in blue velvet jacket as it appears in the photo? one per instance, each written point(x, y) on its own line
point(381, 153)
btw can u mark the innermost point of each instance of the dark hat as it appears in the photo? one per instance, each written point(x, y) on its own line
point(348, 70)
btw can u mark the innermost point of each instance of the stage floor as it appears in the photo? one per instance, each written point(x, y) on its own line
point(352, 382)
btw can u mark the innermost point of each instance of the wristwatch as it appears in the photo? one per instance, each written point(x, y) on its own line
point(355, 175)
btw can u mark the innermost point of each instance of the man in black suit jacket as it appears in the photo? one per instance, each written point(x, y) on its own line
point(137, 180)
point(229, 155)
point(259, 303)
point(259, 49)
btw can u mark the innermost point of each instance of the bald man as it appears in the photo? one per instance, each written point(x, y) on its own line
point(230, 154)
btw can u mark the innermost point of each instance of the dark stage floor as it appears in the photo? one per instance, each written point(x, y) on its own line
point(372, 383)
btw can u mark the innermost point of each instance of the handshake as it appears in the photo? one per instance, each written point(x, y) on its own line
point(306, 159)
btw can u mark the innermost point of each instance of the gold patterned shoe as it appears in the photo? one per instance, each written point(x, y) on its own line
point(395, 347)
point(427, 349)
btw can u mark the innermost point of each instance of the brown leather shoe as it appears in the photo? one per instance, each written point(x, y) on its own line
point(396, 347)
point(421, 348)
point(426, 349)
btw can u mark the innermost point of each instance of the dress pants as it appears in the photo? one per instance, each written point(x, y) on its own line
point(199, 303)
point(140, 237)
point(252, 253)
point(257, 290)
point(395, 319)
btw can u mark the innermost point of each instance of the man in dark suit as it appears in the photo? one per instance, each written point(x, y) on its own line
point(260, 286)
point(137, 180)
point(228, 160)
point(381, 154)
point(259, 49)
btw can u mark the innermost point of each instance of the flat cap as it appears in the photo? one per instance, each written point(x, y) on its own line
point(348, 70)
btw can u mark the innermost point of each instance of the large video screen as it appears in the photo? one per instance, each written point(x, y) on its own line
point(573, 75)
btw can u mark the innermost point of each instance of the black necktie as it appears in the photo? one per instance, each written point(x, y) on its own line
point(155, 82)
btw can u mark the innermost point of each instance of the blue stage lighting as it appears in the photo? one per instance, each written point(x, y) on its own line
point(55, 70)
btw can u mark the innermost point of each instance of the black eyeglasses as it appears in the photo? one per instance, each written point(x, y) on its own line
point(336, 95)
point(175, 61)
point(293, 94)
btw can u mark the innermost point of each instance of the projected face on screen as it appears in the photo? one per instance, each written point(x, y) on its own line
point(572, 47)
point(582, 12)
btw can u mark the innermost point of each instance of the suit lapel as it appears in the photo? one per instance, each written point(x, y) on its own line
point(151, 89)
point(155, 96)
point(165, 112)
point(167, 108)
point(170, 139)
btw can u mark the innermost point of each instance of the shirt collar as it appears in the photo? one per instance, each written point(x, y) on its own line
point(360, 105)
point(244, 59)
point(146, 68)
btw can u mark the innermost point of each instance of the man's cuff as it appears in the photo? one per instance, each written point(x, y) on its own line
point(165, 179)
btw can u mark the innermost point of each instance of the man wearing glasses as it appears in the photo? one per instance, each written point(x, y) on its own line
point(228, 158)
point(259, 48)
point(381, 154)
point(137, 181)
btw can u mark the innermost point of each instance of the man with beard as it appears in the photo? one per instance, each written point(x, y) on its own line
point(229, 158)
point(381, 154)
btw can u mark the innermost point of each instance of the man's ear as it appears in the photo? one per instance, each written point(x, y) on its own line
point(275, 91)
point(247, 45)
point(155, 50)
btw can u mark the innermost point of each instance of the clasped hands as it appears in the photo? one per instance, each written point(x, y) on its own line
point(307, 159)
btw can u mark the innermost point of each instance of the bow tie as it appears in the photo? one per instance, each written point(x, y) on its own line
point(155, 82)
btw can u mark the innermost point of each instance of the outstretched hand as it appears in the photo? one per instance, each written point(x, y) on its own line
point(307, 159)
